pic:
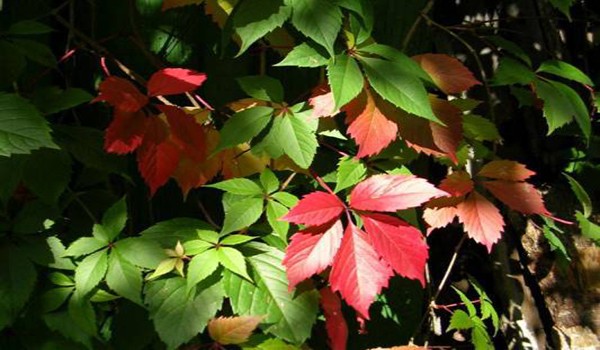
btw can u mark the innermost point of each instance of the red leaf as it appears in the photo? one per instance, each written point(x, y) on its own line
point(126, 132)
point(186, 132)
point(157, 157)
point(448, 73)
point(172, 81)
point(481, 219)
point(506, 170)
point(519, 196)
point(432, 138)
point(369, 125)
point(335, 323)
point(458, 183)
point(357, 272)
point(121, 94)
point(309, 254)
point(321, 100)
point(392, 192)
point(438, 217)
point(314, 209)
point(398, 243)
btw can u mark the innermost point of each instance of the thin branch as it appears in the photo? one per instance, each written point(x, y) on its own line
point(415, 25)
point(207, 215)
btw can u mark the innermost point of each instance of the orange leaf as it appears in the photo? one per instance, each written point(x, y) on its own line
point(519, 196)
point(369, 123)
point(192, 174)
point(232, 330)
point(481, 219)
point(240, 162)
point(458, 183)
point(439, 217)
point(506, 170)
point(448, 73)
point(432, 138)
point(321, 100)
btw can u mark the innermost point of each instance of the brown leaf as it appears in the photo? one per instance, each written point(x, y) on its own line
point(233, 330)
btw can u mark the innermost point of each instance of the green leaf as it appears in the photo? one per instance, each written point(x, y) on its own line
point(320, 20)
point(561, 103)
point(274, 212)
point(555, 244)
point(29, 27)
point(290, 135)
point(179, 315)
point(304, 55)
point(242, 214)
point(588, 228)
point(201, 266)
point(11, 173)
point(30, 219)
point(262, 87)
point(403, 90)
point(115, 218)
point(17, 280)
point(102, 296)
point(350, 171)
point(63, 323)
point(60, 279)
point(468, 303)
point(510, 47)
point(22, 128)
point(563, 6)
point(36, 52)
point(58, 253)
point(169, 232)
point(140, 251)
point(196, 246)
point(265, 343)
point(287, 316)
point(90, 272)
point(55, 298)
point(165, 266)
point(47, 173)
point(581, 195)
point(244, 126)
point(87, 146)
point(479, 128)
point(511, 71)
point(345, 79)
point(565, 70)
point(233, 260)
point(236, 239)
point(480, 338)
point(269, 181)
point(53, 99)
point(82, 313)
point(208, 236)
point(285, 198)
point(124, 278)
point(404, 63)
point(239, 186)
point(460, 320)
point(85, 246)
point(253, 19)
point(13, 64)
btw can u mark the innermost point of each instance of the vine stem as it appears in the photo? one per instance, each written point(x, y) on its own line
point(432, 304)
point(207, 215)
point(415, 25)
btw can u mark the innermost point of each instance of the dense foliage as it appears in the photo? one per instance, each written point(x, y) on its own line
point(282, 174)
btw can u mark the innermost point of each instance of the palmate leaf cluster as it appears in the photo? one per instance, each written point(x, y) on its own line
point(270, 174)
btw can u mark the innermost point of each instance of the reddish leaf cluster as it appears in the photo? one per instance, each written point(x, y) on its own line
point(362, 259)
point(161, 143)
point(482, 221)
